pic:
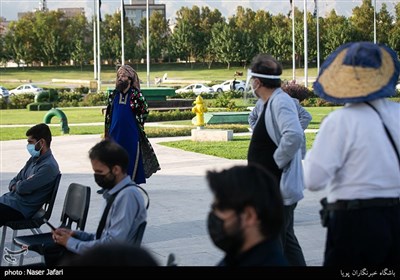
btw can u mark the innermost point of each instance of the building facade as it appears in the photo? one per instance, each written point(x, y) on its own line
point(136, 10)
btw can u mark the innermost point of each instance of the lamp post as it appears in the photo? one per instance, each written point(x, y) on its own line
point(293, 44)
point(148, 43)
point(305, 46)
point(122, 34)
point(374, 21)
point(98, 48)
point(94, 42)
point(317, 14)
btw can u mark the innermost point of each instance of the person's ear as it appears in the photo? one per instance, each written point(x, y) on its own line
point(249, 216)
point(116, 170)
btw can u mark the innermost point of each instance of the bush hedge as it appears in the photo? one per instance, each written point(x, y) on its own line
point(78, 98)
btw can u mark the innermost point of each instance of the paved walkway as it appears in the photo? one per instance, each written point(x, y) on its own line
point(180, 199)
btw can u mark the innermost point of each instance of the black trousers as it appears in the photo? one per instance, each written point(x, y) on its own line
point(8, 214)
point(290, 244)
point(363, 237)
point(56, 255)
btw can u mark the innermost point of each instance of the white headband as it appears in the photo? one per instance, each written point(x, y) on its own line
point(250, 73)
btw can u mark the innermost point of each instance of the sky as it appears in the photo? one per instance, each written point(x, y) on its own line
point(10, 8)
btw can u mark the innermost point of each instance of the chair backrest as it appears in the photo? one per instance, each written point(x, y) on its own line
point(137, 239)
point(47, 208)
point(76, 206)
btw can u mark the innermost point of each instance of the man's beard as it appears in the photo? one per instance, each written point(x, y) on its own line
point(122, 85)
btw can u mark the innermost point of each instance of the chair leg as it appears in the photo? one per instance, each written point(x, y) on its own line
point(12, 242)
point(3, 241)
point(21, 257)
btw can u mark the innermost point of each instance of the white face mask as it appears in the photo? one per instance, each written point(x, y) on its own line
point(250, 75)
point(253, 90)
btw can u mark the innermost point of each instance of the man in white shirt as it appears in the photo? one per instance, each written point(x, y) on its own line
point(356, 156)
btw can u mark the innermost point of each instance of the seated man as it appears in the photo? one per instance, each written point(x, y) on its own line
point(246, 216)
point(125, 209)
point(32, 186)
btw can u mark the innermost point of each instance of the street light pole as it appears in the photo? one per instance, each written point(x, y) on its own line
point(374, 21)
point(305, 46)
point(122, 34)
point(94, 46)
point(98, 48)
point(293, 45)
point(148, 42)
point(318, 54)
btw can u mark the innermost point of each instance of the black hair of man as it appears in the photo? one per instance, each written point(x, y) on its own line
point(110, 153)
point(113, 255)
point(40, 131)
point(268, 65)
point(254, 186)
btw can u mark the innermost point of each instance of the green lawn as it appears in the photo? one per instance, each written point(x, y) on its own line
point(74, 115)
point(235, 149)
point(78, 115)
point(9, 77)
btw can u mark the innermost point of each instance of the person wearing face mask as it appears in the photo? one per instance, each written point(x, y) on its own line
point(33, 184)
point(304, 116)
point(246, 216)
point(125, 207)
point(126, 113)
point(276, 145)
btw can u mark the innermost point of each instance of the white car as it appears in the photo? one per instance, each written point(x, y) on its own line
point(228, 86)
point(4, 92)
point(196, 89)
point(28, 88)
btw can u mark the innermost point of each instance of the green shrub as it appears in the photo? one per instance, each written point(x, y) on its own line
point(94, 99)
point(297, 91)
point(167, 131)
point(185, 95)
point(82, 90)
point(186, 131)
point(20, 101)
point(47, 96)
point(39, 106)
point(224, 100)
point(172, 115)
point(67, 99)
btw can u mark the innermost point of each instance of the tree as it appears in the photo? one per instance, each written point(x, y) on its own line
point(225, 43)
point(189, 33)
point(81, 42)
point(383, 25)
point(52, 38)
point(207, 20)
point(362, 20)
point(20, 40)
point(159, 32)
point(181, 43)
point(337, 30)
point(394, 35)
point(110, 44)
point(281, 38)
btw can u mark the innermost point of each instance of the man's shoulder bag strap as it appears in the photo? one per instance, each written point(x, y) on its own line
point(110, 201)
point(387, 132)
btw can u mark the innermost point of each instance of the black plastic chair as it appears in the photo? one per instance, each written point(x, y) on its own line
point(75, 210)
point(34, 223)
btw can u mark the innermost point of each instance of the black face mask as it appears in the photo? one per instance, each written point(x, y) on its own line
point(104, 182)
point(122, 85)
point(231, 242)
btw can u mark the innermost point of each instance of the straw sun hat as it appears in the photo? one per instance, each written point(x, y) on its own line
point(358, 72)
